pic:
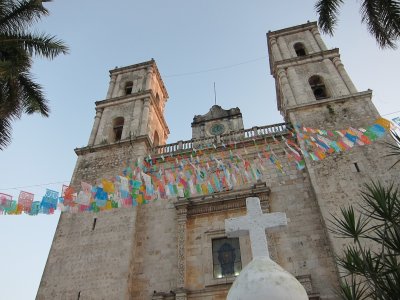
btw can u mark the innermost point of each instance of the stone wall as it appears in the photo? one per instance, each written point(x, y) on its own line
point(155, 263)
point(90, 261)
point(338, 179)
point(135, 251)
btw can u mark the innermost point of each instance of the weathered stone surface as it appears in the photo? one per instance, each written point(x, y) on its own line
point(164, 249)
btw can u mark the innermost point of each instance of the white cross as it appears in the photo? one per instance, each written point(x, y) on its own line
point(255, 223)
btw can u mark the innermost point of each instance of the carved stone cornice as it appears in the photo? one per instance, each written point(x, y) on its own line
point(222, 201)
point(128, 142)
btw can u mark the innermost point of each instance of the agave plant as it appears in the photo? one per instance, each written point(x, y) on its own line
point(370, 264)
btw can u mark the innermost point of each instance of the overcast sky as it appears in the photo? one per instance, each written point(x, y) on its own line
point(223, 39)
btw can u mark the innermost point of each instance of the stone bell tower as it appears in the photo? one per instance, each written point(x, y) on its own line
point(313, 89)
point(93, 254)
point(127, 123)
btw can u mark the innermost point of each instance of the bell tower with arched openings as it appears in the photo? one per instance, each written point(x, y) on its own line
point(99, 248)
point(314, 90)
point(307, 74)
point(133, 108)
point(127, 123)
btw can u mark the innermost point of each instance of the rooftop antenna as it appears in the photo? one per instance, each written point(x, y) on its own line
point(215, 95)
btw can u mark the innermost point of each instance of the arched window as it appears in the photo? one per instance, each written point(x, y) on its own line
point(318, 87)
point(300, 49)
point(156, 139)
point(128, 87)
point(118, 125)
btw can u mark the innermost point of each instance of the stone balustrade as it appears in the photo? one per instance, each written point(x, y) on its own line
point(232, 137)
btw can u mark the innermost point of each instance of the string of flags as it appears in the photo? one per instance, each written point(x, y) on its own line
point(202, 172)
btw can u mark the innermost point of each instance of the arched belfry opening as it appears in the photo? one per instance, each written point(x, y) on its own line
point(118, 125)
point(128, 87)
point(300, 49)
point(318, 87)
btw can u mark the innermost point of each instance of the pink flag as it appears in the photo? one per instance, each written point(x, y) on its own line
point(5, 202)
point(25, 199)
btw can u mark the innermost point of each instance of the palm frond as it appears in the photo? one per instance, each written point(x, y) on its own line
point(381, 22)
point(17, 15)
point(10, 106)
point(33, 99)
point(390, 15)
point(13, 60)
point(5, 132)
point(328, 11)
point(37, 44)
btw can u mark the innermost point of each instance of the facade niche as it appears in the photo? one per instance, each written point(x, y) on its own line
point(128, 87)
point(118, 125)
point(156, 139)
point(226, 257)
point(300, 49)
point(318, 87)
point(158, 101)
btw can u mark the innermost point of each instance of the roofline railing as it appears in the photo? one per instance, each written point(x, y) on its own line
point(228, 138)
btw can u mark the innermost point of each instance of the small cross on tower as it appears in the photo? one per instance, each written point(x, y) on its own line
point(255, 223)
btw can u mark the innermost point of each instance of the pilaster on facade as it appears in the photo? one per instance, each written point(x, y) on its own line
point(181, 223)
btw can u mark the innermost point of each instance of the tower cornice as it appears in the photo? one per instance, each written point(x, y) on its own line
point(367, 95)
point(293, 29)
point(122, 143)
point(313, 57)
point(142, 65)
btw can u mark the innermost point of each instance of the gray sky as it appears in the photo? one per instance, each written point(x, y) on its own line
point(184, 37)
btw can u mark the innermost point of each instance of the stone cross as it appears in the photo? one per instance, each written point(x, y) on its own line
point(255, 223)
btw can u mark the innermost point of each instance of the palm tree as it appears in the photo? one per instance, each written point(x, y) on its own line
point(382, 18)
point(18, 92)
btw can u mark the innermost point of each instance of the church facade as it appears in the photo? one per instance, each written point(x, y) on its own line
point(177, 248)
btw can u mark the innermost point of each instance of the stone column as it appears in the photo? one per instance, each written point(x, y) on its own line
point(284, 48)
point(319, 40)
point(296, 84)
point(286, 89)
point(342, 71)
point(181, 218)
point(111, 86)
point(275, 50)
point(338, 87)
point(313, 42)
point(95, 128)
point(137, 117)
point(149, 77)
point(145, 117)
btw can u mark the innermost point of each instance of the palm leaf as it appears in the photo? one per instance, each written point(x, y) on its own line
point(37, 44)
point(328, 11)
point(5, 132)
point(17, 15)
point(375, 15)
point(33, 99)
